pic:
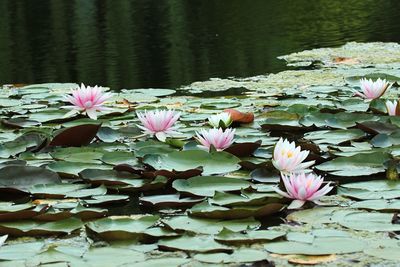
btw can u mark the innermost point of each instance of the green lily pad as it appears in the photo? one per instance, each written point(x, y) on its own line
point(249, 237)
point(193, 244)
point(376, 185)
point(111, 178)
point(21, 228)
point(108, 135)
point(245, 198)
point(175, 201)
point(22, 177)
point(119, 157)
point(80, 155)
point(87, 192)
point(209, 226)
point(206, 210)
point(212, 163)
point(107, 199)
point(241, 255)
point(66, 168)
point(378, 189)
point(368, 221)
point(165, 261)
point(320, 246)
point(54, 190)
point(358, 165)
point(109, 256)
point(208, 185)
point(122, 227)
point(378, 204)
point(387, 253)
point(20, 251)
point(334, 137)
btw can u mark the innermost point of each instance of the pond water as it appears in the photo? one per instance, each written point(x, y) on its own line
point(139, 44)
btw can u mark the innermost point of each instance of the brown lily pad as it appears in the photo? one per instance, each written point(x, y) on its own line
point(76, 136)
point(243, 149)
point(240, 117)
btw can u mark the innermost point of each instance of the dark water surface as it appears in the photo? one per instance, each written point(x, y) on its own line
point(168, 43)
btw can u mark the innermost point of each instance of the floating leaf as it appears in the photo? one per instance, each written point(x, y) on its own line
point(209, 226)
point(358, 165)
point(206, 210)
point(240, 117)
point(21, 228)
point(119, 157)
point(243, 149)
point(378, 204)
point(22, 177)
point(208, 185)
point(212, 163)
point(241, 255)
point(122, 227)
point(334, 136)
point(320, 246)
point(171, 201)
point(368, 221)
point(20, 251)
point(76, 136)
point(165, 261)
point(193, 244)
point(66, 168)
point(235, 238)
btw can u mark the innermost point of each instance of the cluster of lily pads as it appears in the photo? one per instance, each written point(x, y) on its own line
point(286, 158)
point(171, 177)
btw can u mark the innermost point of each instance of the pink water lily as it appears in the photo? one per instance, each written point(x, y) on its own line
point(391, 107)
point(88, 100)
point(159, 123)
point(303, 187)
point(217, 138)
point(289, 158)
point(371, 89)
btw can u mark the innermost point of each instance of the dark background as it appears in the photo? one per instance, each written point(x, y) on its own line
point(168, 43)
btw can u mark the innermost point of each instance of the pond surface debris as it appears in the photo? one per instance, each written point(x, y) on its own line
point(82, 192)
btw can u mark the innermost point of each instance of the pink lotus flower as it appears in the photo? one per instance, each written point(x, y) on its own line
point(303, 187)
point(159, 123)
point(391, 107)
point(217, 138)
point(288, 158)
point(371, 89)
point(88, 100)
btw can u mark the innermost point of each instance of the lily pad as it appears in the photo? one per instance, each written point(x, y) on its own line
point(249, 237)
point(241, 255)
point(76, 136)
point(320, 246)
point(22, 177)
point(208, 185)
point(21, 228)
point(193, 244)
point(212, 163)
point(209, 226)
point(122, 227)
point(357, 165)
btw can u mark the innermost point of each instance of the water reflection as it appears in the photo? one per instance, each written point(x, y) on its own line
point(152, 43)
